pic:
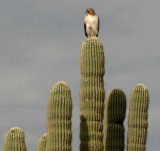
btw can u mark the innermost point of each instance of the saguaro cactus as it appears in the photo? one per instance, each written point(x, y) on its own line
point(14, 140)
point(138, 118)
point(92, 95)
point(115, 109)
point(59, 115)
point(41, 145)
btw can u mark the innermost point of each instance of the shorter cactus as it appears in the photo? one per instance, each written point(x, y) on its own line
point(59, 113)
point(41, 145)
point(14, 140)
point(115, 109)
point(138, 118)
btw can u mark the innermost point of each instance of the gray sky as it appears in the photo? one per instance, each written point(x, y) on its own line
point(40, 44)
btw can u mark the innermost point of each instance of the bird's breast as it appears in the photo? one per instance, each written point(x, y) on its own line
point(91, 20)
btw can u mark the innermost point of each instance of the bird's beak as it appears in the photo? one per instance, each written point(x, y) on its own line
point(86, 11)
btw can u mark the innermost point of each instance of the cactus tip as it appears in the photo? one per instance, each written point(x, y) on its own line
point(140, 85)
point(59, 83)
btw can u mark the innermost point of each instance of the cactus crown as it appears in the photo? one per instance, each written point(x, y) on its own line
point(92, 57)
point(115, 106)
point(14, 140)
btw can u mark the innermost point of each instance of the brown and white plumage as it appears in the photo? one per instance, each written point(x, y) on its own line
point(91, 23)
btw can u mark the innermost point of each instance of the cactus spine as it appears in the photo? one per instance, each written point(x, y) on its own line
point(115, 109)
point(138, 118)
point(14, 140)
point(59, 115)
point(41, 145)
point(92, 95)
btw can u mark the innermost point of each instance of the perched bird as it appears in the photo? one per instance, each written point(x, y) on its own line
point(91, 23)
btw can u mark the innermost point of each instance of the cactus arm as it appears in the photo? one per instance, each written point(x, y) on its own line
point(59, 113)
point(41, 145)
point(14, 140)
point(115, 109)
point(138, 119)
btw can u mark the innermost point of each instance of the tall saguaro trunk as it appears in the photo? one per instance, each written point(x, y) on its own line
point(92, 95)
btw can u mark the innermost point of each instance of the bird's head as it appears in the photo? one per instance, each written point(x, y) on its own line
point(90, 11)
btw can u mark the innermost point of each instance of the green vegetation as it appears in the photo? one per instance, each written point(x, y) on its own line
point(14, 140)
point(92, 95)
point(59, 113)
point(115, 109)
point(138, 118)
point(41, 145)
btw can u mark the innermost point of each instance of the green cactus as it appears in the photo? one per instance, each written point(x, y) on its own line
point(138, 118)
point(41, 145)
point(59, 113)
point(115, 109)
point(92, 95)
point(14, 140)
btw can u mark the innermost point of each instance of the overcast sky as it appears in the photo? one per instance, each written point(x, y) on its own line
point(40, 44)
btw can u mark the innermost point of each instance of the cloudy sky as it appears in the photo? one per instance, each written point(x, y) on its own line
point(40, 44)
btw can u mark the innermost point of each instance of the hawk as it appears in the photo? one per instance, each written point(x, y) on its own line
point(91, 23)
